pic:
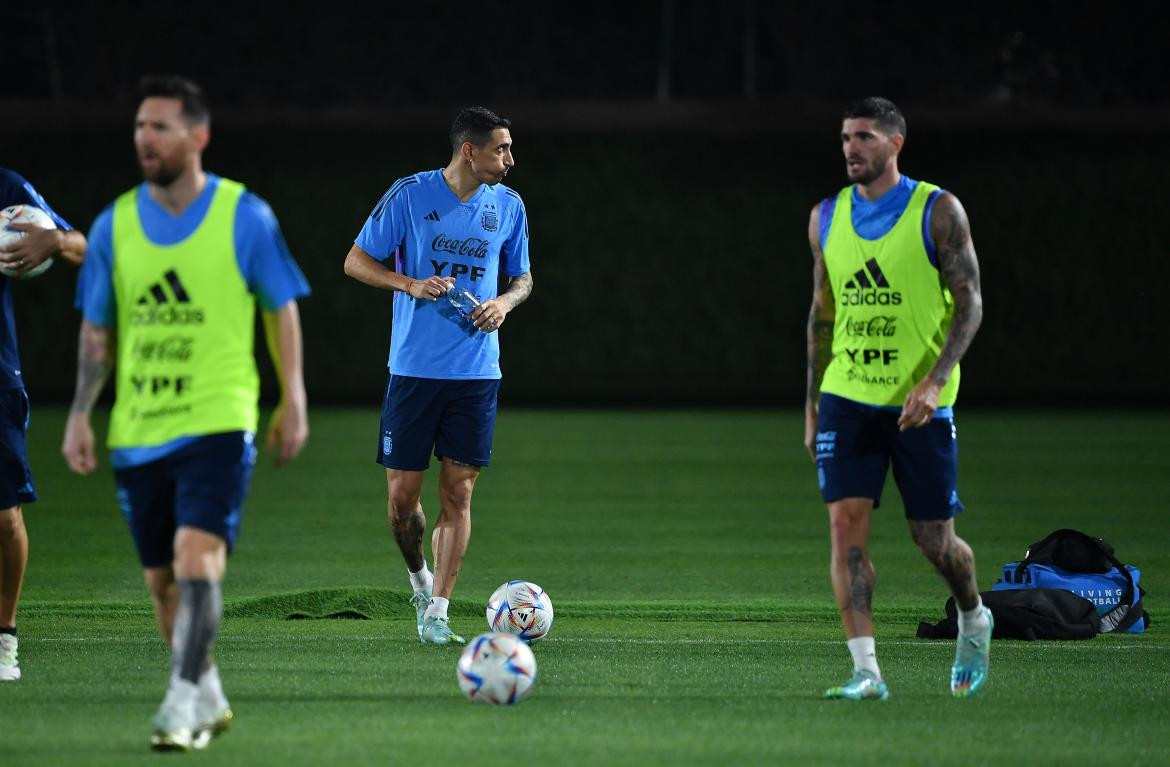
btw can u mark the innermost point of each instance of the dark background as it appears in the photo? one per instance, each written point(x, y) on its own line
point(668, 153)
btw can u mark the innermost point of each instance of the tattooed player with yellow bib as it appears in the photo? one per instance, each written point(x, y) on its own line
point(896, 302)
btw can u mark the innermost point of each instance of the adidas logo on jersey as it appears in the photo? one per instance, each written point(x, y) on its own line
point(432, 216)
point(869, 287)
point(157, 306)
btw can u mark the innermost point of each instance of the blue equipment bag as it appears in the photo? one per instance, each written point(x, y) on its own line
point(1090, 570)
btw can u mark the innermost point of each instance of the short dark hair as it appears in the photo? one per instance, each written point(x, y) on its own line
point(475, 124)
point(187, 92)
point(882, 111)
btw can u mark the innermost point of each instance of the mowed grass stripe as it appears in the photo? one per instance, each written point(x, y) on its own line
point(999, 645)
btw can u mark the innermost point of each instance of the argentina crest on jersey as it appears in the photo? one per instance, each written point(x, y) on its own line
point(489, 219)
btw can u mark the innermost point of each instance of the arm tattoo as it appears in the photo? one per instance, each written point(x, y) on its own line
point(960, 270)
point(94, 363)
point(518, 289)
point(821, 317)
point(860, 581)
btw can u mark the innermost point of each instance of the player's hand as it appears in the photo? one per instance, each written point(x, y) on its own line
point(78, 448)
point(430, 288)
point(288, 430)
point(920, 405)
point(489, 315)
point(810, 431)
point(29, 251)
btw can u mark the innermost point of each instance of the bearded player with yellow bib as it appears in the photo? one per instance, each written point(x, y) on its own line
point(176, 268)
point(896, 302)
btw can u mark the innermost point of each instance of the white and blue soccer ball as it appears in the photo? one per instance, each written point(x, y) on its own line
point(496, 668)
point(23, 214)
point(520, 608)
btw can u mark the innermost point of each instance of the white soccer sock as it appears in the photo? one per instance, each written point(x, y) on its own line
point(423, 580)
point(973, 621)
point(864, 655)
point(210, 686)
point(181, 696)
point(438, 606)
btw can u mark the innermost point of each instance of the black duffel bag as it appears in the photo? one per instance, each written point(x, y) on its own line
point(1028, 614)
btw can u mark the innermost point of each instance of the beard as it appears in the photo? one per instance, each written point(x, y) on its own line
point(163, 174)
point(870, 173)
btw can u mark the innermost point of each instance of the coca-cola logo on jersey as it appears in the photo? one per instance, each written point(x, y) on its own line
point(875, 326)
point(472, 246)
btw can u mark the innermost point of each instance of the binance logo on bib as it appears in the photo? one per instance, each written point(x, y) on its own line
point(166, 302)
point(869, 287)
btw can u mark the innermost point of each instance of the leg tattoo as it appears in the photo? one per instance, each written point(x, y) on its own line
point(951, 557)
point(860, 581)
point(408, 533)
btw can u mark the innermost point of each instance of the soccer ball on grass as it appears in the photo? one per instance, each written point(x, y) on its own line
point(520, 608)
point(496, 668)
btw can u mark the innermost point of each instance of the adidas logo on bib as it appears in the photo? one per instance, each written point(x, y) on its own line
point(869, 287)
point(166, 302)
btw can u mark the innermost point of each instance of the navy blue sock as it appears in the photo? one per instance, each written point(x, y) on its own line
point(196, 624)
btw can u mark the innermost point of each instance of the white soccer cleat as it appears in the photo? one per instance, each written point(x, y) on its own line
point(9, 667)
point(213, 717)
point(211, 727)
point(174, 724)
point(172, 731)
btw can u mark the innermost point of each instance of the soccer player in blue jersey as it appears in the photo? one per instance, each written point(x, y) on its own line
point(455, 228)
point(169, 292)
point(896, 303)
point(16, 482)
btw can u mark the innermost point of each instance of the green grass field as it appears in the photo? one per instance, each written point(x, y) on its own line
point(686, 554)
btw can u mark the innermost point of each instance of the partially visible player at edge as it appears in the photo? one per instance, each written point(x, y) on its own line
point(16, 482)
point(896, 301)
point(453, 227)
point(176, 267)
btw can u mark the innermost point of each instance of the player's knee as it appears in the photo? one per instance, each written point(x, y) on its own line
point(11, 523)
point(456, 497)
point(402, 502)
point(160, 582)
point(846, 525)
point(932, 537)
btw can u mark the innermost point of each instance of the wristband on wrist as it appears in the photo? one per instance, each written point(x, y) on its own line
point(410, 284)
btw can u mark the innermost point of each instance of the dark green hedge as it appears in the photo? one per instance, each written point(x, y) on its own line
point(673, 267)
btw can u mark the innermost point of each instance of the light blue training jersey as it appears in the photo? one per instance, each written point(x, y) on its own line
point(429, 232)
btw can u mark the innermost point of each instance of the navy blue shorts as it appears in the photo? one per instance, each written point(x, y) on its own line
point(202, 484)
point(856, 443)
point(16, 482)
point(453, 418)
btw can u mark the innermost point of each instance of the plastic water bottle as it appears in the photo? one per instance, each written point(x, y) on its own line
point(463, 300)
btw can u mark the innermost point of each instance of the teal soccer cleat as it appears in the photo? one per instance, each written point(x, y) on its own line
point(863, 686)
point(969, 673)
point(420, 600)
point(436, 631)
